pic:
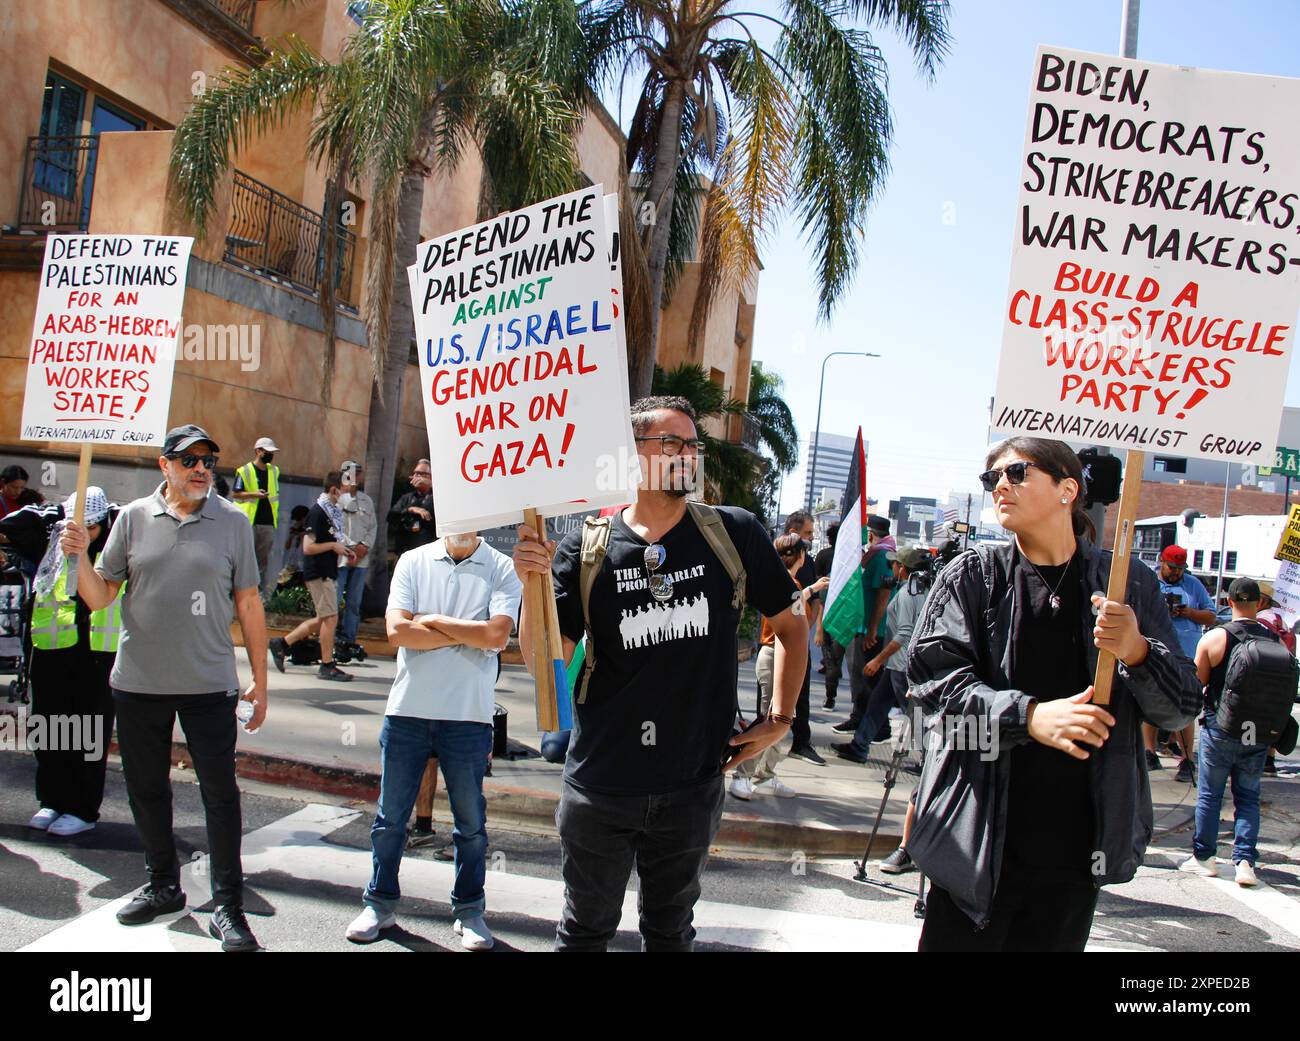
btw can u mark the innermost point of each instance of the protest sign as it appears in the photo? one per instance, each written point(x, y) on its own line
point(1156, 272)
point(1286, 590)
point(523, 376)
point(1288, 544)
point(108, 317)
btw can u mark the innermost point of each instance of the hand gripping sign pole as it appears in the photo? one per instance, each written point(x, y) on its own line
point(1119, 563)
point(79, 514)
point(553, 709)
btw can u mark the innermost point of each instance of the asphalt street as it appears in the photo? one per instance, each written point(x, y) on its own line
point(307, 858)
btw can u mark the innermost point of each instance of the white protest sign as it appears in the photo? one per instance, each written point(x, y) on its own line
point(522, 370)
point(1286, 590)
point(108, 317)
point(1156, 269)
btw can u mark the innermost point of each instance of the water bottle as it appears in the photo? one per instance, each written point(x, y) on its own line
point(244, 712)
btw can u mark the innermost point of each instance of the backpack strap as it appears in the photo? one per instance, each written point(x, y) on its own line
point(709, 521)
point(595, 542)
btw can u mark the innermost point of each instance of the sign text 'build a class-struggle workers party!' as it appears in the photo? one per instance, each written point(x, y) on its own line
point(1156, 270)
point(521, 365)
point(108, 317)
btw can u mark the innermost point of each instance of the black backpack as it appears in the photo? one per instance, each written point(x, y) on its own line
point(1258, 688)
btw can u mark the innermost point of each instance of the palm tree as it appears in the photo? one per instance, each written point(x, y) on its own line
point(777, 436)
point(418, 82)
point(804, 124)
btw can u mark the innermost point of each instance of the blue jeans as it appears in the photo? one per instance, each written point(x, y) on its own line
point(462, 751)
point(352, 587)
point(890, 690)
point(1222, 758)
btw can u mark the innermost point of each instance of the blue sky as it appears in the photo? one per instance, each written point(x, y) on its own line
point(928, 295)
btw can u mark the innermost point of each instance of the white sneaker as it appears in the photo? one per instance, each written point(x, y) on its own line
point(1246, 874)
point(775, 786)
point(365, 927)
point(474, 933)
point(69, 825)
point(741, 788)
point(1204, 868)
point(43, 819)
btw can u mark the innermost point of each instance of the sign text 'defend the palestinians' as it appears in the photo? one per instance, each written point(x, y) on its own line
point(521, 365)
point(108, 318)
point(1155, 275)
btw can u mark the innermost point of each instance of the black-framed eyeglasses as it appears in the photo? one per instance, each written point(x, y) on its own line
point(189, 460)
point(671, 444)
point(661, 586)
point(1015, 474)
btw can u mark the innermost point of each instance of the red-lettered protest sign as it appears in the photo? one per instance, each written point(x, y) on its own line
point(1156, 270)
point(522, 368)
point(108, 317)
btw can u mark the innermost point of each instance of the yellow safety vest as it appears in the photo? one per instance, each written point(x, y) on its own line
point(248, 473)
point(54, 619)
point(106, 624)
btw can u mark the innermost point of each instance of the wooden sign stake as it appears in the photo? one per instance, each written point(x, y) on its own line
point(1117, 588)
point(79, 514)
point(549, 669)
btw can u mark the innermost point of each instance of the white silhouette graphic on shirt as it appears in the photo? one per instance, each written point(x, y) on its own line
point(655, 623)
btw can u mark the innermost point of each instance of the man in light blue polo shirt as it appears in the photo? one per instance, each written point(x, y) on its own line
point(451, 607)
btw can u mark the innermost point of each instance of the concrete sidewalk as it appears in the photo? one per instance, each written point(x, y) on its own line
point(325, 736)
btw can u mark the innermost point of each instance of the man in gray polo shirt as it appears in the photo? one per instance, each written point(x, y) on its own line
point(450, 611)
point(187, 559)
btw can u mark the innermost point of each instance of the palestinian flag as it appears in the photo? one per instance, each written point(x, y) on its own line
point(845, 606)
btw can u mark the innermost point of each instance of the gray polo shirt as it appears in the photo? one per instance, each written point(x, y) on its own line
point(181, 575)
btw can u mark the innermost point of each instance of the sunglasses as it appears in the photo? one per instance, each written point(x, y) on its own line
point(1015, 474)
point(189, 460)
point(661, 586)
point(671, 444)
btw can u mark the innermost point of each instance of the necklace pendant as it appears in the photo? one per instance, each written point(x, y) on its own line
point(1054, 602)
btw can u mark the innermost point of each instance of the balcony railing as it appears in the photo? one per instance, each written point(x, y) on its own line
point(58, 175)
point(281, 239)
point(743, 430)
point(238, 11)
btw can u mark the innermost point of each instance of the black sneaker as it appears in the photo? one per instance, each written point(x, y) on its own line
point(229, 925)
point(278, 650)
point(330, 671)
point(151, 902)
point(418, 837)
point(829, 704)
point(897, 862)
point(808, 754)
point(886, 734)
point(847, 727)
point(847, 751)
point(1153, 761)
point(1270, 766)
point(1185, 774)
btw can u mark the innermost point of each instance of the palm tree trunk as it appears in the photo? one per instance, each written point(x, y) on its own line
point(662, 189)
point(384, 434)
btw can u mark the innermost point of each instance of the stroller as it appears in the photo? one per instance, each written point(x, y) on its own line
point(15, 626)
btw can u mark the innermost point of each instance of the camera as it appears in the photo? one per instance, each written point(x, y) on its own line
point(1174, 602)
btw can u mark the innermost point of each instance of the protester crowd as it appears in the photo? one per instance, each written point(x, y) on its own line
point(1006, 639)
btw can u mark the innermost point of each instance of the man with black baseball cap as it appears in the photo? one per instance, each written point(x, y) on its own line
point(186, 559)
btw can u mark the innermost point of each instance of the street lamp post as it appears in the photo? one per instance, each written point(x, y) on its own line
point(821, 387)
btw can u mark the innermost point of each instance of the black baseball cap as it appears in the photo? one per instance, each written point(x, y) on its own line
point(1244, 591)
point(180, 438)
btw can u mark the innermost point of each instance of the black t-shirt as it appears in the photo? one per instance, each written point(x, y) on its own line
point(662, 698)
point(824, 560)
point(1050, 813)
point(807, 573)
point(412, 530)
point(320, 565)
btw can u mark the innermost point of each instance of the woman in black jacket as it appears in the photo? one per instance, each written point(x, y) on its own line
point(1031, 797)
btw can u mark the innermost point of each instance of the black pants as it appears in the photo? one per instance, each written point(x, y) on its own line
point(1027, 915)
point(144, 738)
point(801, 729)
point(602, 836)
point(73, 682)
point(833, 659)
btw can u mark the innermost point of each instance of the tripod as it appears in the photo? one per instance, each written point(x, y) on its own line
point(900, 750)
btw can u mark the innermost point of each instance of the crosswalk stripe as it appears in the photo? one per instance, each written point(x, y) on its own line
point(99, 930)
point(1267, 902)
